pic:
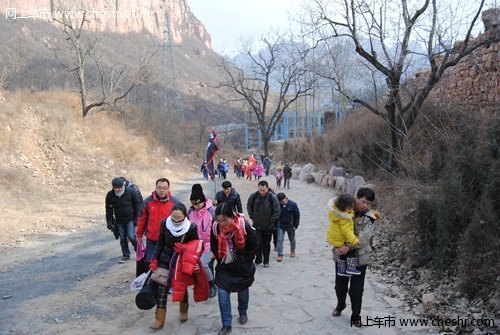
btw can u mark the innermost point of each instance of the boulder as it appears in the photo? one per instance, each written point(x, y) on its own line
point(309, 178)
point(296, 171)
point(318, 176)
point(330, 181)
point(338, 183)
point(305, 171)
point(353, 184)
point(336, 171)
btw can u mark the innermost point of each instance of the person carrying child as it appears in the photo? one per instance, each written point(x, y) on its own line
point(341, 232)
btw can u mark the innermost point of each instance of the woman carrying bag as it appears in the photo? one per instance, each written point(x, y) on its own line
point(234, 243)
point(176, 229)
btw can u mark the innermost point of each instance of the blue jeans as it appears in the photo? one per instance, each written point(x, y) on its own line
point(225, 305)
point(127, 233)
point(286, 184)
point(281, 237)
point(150, 249)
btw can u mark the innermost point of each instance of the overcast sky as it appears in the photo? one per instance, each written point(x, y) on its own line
point(228, 20)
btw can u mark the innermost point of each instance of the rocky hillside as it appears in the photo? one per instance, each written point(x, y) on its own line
point(118, 16)
point(49, 156)
point(35, 52)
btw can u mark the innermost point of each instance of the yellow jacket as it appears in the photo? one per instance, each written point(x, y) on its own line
point(341, 228)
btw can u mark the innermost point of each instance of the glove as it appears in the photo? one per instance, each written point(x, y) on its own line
point(153, 265)
point(110, 225)
point(179, 248)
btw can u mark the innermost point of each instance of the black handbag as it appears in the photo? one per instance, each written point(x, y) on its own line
point(146, 298)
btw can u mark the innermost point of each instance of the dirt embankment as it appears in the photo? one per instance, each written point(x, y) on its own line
point(51, 160)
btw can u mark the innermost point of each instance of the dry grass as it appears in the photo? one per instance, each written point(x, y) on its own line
point(50, 150)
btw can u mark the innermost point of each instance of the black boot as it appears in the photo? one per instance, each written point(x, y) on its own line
point(225, 330)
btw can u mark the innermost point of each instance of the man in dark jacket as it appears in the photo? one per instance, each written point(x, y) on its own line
point(228, 193)
point(287, 175)
point(288, 222)
point(122, 209)
point(264, 210)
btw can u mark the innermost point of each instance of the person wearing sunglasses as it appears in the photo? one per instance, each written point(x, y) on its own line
point(202, 214)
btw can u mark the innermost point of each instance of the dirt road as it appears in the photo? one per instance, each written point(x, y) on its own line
point(71, 282)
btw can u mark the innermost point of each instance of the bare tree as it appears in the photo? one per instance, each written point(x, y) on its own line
point(385, 36)
point(112, 85)
point(268, 82)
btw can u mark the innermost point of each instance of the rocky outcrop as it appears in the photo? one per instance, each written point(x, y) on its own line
point(122, 16)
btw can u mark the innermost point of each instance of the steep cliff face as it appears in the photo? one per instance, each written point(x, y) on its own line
point(120, 16)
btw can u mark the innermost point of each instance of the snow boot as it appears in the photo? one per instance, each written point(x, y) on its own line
point(160, 315)
point(341, 268)
point(352, 263)
point(183, 310)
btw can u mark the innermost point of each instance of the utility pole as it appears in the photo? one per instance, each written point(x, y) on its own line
point(169, 73)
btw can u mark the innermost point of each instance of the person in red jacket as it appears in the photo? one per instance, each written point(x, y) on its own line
point(156, 207)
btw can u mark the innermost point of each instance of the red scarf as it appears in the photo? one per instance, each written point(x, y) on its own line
point(231, 238)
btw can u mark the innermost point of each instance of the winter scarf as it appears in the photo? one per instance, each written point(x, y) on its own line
point(178, 230)
point(230, 239)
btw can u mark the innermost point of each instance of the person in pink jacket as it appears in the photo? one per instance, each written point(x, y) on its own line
point(258, 171)
point(202, 214)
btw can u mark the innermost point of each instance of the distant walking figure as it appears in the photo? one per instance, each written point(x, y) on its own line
point(287, 175)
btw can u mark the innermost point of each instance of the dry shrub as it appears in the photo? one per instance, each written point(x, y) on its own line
point(458, 222)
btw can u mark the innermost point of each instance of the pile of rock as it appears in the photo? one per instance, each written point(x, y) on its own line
point(335, 177)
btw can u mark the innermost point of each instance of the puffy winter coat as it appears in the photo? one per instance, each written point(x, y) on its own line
point(189, 271)
point(239, 274)
point(164, 248)
point(153, 211)
point(341, 229)
point(234, 197)
point(203, 218)
point(122, 209)
point(289, 215)
point(263, 210)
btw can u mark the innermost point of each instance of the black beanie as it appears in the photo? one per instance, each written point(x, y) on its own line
point(197, 195)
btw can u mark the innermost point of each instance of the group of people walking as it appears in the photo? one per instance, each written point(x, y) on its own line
point(253, 169)
point(215, 232)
